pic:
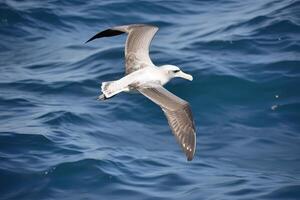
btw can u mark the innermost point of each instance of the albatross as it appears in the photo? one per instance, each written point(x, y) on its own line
point(143, 76)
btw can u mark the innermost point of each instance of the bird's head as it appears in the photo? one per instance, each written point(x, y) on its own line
point(174, 71)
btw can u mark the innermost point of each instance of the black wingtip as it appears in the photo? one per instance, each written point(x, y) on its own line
point(106, 33)
point(190, 158)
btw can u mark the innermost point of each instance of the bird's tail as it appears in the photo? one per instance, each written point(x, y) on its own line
point(109, 89)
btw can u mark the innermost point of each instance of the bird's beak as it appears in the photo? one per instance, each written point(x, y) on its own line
point(184, 75)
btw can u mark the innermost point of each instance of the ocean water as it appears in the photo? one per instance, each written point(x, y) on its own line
point(58, 142)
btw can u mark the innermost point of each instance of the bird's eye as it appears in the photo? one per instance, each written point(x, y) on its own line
point(177, 70)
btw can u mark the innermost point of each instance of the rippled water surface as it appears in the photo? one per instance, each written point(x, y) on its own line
point(58, 142)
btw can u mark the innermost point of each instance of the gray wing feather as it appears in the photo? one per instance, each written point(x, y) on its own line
point(137, 44)
point(179, 115)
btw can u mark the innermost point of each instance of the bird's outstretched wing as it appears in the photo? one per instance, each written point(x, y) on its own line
point(137, 44)
point(179, 115)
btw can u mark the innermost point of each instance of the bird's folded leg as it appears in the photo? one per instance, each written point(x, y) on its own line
point(102, 97)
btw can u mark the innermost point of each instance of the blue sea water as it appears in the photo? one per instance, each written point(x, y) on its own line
point(58, 142)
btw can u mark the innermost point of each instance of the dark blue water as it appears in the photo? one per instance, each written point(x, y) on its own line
point(58, 142)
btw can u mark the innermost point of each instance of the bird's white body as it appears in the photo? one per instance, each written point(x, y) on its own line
point(147, 77)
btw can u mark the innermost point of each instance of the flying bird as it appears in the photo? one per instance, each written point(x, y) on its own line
point(143, 76)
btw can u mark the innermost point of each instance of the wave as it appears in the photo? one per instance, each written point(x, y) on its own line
point(57, 140)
